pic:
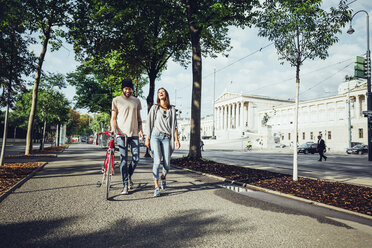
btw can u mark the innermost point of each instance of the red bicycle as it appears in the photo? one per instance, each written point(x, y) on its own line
point(109, 162)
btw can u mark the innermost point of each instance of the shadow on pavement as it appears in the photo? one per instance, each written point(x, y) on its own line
point(176, 231)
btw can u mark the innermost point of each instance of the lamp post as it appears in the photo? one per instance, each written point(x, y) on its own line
point(368, 72)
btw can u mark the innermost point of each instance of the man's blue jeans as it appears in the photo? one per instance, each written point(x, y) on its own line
point(160, 147)
point(133, 142)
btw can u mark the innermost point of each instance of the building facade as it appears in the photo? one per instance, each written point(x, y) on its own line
point(269, 122)
point(328, 117)
point(237, 115)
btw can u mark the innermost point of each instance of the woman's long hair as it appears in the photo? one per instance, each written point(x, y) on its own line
point(166, 100)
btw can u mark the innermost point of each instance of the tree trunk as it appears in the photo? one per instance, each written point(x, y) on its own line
point(194, 150)
point(150, 98)
point(58, 134)
point(295, 135)
point(31, 119)
point(9, 86)
point(43, 136)
point(5, 132)
point(15, 135)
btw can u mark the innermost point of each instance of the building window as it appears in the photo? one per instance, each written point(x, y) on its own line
point(329, 135)
point(303, 135)
point(360, 133)
point(289, 136)
point(311, 135)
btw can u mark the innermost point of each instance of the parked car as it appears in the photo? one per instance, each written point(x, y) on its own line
point(308, 147)
point(356, 143)
point(358, 149)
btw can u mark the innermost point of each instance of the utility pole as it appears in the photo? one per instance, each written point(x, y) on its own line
point(214, 98)
point(348, 106)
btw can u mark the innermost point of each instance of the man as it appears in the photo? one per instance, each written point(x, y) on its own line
point(126, 119)
point(321, 148)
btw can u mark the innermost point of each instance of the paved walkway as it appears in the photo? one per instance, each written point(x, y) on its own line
point(61, 206)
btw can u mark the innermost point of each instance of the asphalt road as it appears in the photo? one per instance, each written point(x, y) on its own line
point(354, 169)
point(61, 206)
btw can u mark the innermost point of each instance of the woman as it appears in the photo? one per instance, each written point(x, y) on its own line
point(162, 136)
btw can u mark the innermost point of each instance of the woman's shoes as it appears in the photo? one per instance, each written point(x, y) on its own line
point(163, 184)
point(157, 192)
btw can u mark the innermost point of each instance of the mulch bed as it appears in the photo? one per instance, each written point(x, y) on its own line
point(12, 173)
point(50, 149)
point(47, 152)
point(342, 195)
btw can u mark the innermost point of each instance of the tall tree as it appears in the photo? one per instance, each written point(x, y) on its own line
point(301, 30)
point(143, 35)
point(45, 16)
point(15, 60)
point(208, 23)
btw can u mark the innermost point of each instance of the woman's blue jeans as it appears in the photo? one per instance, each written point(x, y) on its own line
point(160, 147)
point(126, 172)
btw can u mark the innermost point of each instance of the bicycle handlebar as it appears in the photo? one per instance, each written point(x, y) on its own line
point(111, 134)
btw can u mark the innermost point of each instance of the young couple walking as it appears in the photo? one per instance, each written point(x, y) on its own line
point(161, 133)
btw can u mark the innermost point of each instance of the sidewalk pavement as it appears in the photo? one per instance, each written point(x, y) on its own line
point(61, 206)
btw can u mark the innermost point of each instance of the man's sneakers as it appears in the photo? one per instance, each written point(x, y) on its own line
point(130, 186)
point(125, 190)
point(157, 192)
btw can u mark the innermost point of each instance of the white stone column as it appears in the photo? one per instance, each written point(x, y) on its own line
point(229, 116)
point(219, 117)
point(251, 116)
point(223, 117)
point(233, 115)
point(236, 121)
point(242, 115)
point(357, 107)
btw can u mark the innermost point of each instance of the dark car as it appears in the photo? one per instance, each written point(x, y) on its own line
point(358, 149)
point(307, 148)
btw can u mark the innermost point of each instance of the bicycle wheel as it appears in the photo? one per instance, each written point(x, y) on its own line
point(104, 168)
point(108, 176)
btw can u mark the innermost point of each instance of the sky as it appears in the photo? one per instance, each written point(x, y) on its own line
point(248, 69)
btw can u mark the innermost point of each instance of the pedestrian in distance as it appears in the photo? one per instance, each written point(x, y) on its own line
point(161, 136)
point(321, 148)
point(126, 120)
point(201, 145)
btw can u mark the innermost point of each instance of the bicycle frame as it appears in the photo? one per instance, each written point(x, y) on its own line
point(109, 162)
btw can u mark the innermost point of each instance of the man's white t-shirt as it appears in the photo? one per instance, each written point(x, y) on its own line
point(127, 110)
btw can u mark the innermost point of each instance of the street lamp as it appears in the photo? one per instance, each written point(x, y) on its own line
point(368, 113)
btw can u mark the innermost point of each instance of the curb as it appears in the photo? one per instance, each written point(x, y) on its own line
point(20, 183)
point(256, 188)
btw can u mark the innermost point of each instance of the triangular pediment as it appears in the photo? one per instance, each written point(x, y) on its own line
point(227, 96)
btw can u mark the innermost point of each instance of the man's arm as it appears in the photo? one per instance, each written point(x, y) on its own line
point(114, 115)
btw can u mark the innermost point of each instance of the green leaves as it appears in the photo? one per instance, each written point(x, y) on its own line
point(300, 29)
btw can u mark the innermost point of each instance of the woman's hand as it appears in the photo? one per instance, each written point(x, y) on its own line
point(147, 142)
point(177, 143)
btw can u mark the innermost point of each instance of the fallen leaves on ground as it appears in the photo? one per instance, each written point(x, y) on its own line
point(342, 195)
point(47, 152)
point(12, 173)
